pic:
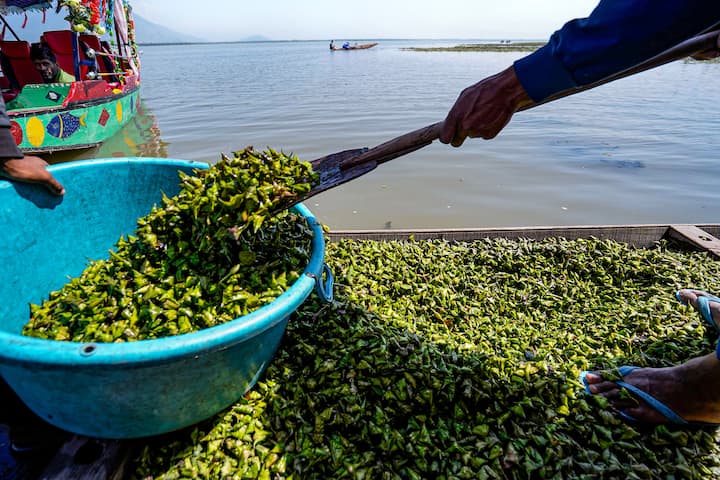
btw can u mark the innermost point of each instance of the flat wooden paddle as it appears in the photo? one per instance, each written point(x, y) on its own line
point(338, 168)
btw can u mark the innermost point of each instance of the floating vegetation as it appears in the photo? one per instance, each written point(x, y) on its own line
point(460, 361)
point(483, 47)
point(706, 60)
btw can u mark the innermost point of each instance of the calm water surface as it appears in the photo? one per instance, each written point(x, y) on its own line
point(641, 150)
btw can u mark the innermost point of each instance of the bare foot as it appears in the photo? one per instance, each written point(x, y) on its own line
point(692, 297)
point(691, 390)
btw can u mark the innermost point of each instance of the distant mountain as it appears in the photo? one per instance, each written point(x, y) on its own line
point(255, 38)
point(145, 30)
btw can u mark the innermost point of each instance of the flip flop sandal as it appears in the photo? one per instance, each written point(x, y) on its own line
point(656, 404)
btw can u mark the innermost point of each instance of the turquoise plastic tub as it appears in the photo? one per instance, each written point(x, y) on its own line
point(121, 390)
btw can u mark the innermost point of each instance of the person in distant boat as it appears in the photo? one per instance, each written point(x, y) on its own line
point(614, 37)
point(14, 165)
point(332, 44)
point(46, 63)
point(346, 45)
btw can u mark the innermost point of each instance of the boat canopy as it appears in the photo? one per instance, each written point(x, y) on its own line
point(99, 17)
point(85, 16)
point(20, 6)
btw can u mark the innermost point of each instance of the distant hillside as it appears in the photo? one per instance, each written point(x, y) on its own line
point(255, 38)
point(145, 31)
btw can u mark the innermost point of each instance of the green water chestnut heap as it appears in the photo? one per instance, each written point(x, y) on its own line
point(449, 361)
point(208, 255)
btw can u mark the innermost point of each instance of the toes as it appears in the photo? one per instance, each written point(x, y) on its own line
point(643, 413)
point(708, 305)
point(606, 389)
point(685, 295)
point(689, 296)
point(593, 378)
point(619, 398)
point(597, 385)
point(610, 391)
point(630, 407)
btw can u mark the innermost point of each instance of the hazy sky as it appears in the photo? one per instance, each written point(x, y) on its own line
point(218, 20)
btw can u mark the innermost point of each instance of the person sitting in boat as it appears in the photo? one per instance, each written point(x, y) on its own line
point(346, 45)
point(46, 63)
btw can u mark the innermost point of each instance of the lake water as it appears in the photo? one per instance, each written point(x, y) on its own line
point(645, 149)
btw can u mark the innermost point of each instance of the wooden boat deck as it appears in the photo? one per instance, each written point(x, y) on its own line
point(702, 237)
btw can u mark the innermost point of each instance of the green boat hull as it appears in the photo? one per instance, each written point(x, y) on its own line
point(55, 117)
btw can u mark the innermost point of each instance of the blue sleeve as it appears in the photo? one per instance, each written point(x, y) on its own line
point(617, 35)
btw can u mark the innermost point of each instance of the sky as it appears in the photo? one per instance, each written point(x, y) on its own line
point(229, 20)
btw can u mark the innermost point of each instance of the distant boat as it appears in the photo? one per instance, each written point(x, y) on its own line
point(347, 46)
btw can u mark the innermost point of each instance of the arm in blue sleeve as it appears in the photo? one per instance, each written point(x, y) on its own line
point(617, 35)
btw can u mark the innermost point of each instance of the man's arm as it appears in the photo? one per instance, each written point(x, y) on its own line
point(483, 109)
point(16, 166)
point(30, 169)
point(617, 35)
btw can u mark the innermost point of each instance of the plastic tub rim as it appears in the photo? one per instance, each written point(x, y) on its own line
point(18, 348)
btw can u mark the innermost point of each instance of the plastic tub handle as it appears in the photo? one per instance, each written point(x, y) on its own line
point(324, 283)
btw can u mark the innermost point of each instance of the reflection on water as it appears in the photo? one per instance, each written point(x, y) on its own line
point(139, 138)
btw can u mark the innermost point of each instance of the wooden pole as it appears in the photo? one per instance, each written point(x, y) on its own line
point(7, 25)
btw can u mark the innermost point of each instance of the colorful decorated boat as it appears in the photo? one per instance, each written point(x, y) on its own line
point(98, 49)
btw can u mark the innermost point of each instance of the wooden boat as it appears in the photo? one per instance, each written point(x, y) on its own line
point(362, 46)
point(48, 117)
point(705, 237)
point(111, 456)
